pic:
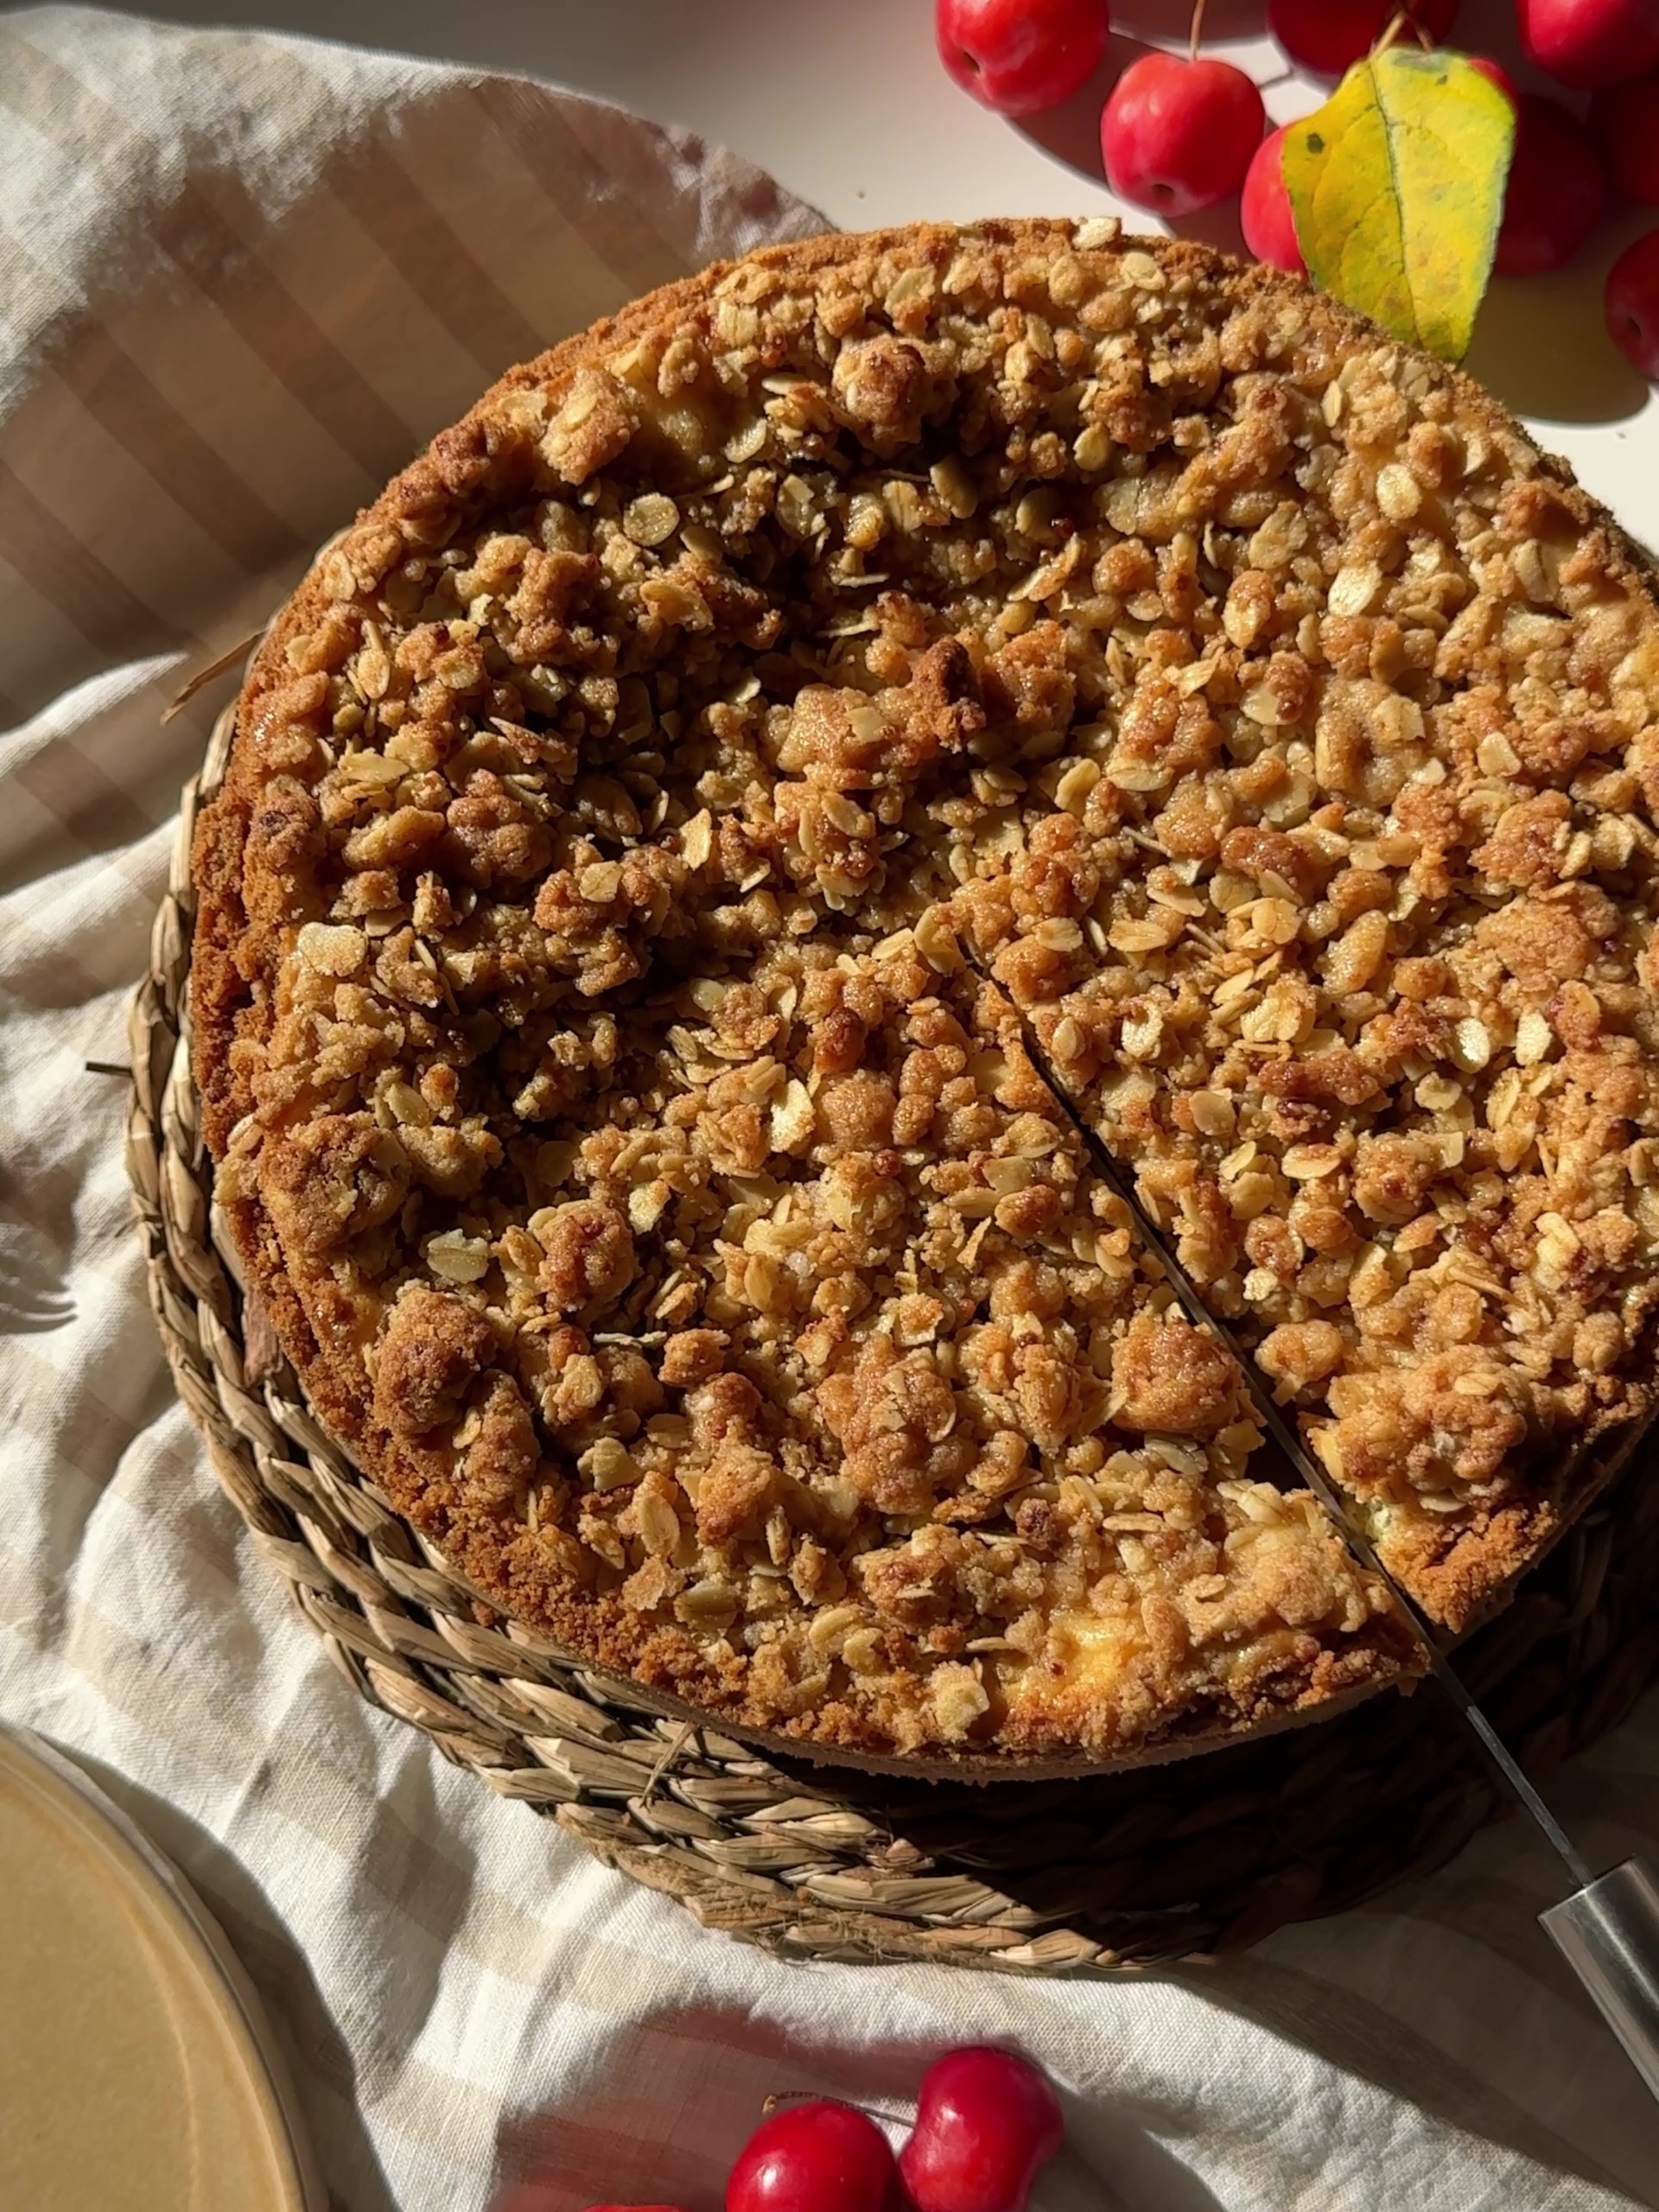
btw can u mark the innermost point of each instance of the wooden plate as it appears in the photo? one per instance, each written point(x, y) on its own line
point(135, 2072)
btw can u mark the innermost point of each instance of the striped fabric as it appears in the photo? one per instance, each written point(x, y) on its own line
point(240, 279)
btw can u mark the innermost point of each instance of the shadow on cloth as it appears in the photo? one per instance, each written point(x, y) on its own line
point(611, 2147)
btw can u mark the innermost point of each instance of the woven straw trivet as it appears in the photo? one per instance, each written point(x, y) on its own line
point(1034, 1877)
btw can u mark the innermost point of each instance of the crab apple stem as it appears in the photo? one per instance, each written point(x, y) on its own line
point(1399, 25)
point(1197, 32)
point(1405, 20)
point(775, 2100)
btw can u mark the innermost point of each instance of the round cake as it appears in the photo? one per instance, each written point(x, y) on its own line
point(651, 832)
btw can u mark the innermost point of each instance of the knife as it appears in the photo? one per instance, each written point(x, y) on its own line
point(1607, 1927)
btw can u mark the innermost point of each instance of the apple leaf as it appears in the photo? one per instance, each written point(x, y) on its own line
point(1396, 185)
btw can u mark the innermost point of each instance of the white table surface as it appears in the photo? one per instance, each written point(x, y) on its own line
point(846, 103)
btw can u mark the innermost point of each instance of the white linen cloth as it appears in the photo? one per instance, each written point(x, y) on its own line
point(241, 277)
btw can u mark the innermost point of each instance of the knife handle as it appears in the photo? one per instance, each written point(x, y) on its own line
point(1608, 1933)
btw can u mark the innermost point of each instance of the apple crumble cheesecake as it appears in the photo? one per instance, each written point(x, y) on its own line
point(646, 832)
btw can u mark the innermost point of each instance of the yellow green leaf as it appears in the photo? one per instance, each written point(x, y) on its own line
point(1396, 185)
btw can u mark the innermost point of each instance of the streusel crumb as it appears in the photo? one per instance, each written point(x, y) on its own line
point(657, 1195)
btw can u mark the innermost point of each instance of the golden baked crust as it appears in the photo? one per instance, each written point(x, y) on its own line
point(663, 1209)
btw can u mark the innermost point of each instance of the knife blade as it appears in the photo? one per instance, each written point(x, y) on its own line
point(1607, 1929)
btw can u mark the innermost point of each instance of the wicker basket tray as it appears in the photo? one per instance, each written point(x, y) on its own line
point(1034, 1877)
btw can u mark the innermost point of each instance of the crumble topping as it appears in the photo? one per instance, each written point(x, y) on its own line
point(652, 1189)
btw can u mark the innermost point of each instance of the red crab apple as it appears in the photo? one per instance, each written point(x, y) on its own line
point(985, 2122)
point(1178, 135)
point(1264, 212)
point(542, 2190)
point(1020, 56)
point(1328, 36)
point(812, 2158)
point(1624, 124)
point(1632, 304)
point(1590, 43)
point(1557, 190)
